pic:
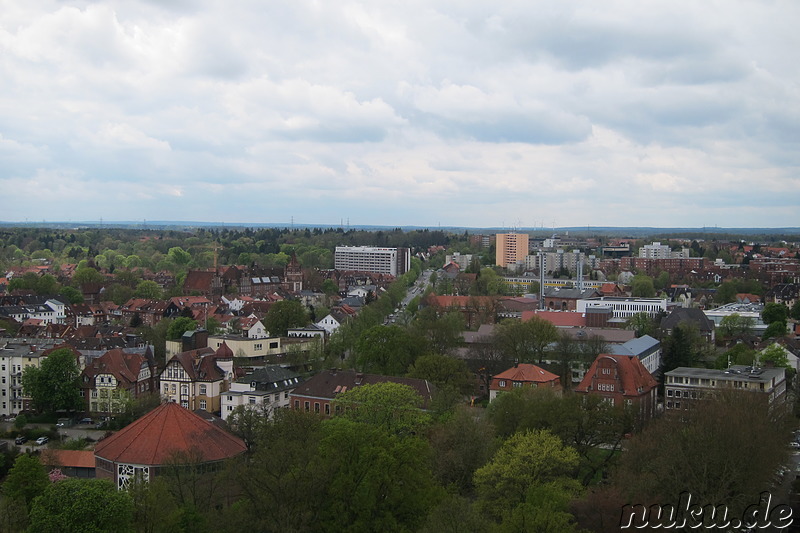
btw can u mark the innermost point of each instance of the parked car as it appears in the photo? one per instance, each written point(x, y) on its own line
point(86, 421)
point(42, 440)
point(20, 440)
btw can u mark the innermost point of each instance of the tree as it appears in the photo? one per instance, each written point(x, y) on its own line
point(377, 480)
point(86, 275)
point(178, 256)
point(774, 354)
point(391, 406)
point(643, 287)
point(82, 505)
point(26, 480)
point(795, 311)
point(775, 330)
point(729, 462)
point(741, 354)
point(387, 350)
point(461, 443)
point(73, 295)
point(681, 348)
point(525, 341)
point(443, 332)
point(735, 324)
point(774, 312)
point(55, 384)
point(179, 326)
point(149, 290)
point(641, 323)
point(525, 461)
point(444, 372)
point(284, 315)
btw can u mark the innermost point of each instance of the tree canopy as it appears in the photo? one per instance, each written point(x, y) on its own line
point(82, 505)
point(55, 384)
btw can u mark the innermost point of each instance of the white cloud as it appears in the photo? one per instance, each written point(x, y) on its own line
point(466, 113)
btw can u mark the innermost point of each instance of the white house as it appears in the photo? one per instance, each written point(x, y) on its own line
point(267, 389)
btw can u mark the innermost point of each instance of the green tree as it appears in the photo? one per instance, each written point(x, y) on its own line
point(776, 329)
point(727, 462)
point(525, 461)
point(387, 350)
point(735, 324)
point(741, 354)
point(443, 332)
point(73, 295)
point(394, 407)
point(82, 505)
point(371, 471)
point(329, 287)
point(149, 290)
point(641, 323)
point(774, 312)
point(795, 311)
point(179, 326)
point(26, 480)
point(86, 275)
point(443, 371)
point(525, 341)
point(55, 384)
point(681, 348)
point(774, 354)
point(461, 443)
point(178, 256)
point(284, 315)
point(642, 287)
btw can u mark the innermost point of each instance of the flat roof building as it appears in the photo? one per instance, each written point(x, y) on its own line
point(393, 261)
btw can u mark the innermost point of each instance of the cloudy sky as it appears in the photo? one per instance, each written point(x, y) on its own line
point(430, 112)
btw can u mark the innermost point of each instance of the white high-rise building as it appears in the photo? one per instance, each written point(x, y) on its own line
point(394, 261)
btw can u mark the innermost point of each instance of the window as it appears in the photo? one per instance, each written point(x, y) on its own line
point(327, 408)
point(203, 404)
point(502, 383)
point(316, 407)
point(517, 384)
point(307, 406)
point(203, 389)
point(669, 392)
point(273, 345)
point(252, 400)
point(606, 371)
point(185, 404)
point(297, 404)
point(677, 405)
point(258, 347)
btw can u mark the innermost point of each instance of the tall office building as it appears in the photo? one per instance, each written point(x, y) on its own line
point(512, 248)
point(394, 261)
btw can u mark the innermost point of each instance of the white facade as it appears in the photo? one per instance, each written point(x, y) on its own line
point(329, 324)
point(661, 251)
point(463, 261)
point(625, 307)
point(393, 261)
point(266, 396)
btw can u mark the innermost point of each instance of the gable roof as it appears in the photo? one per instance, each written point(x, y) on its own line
point(327, 384)
point(632, 375)
point(168, 429)
point(688, 314)
point(67, 458)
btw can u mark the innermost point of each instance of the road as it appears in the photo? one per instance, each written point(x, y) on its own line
point(74, 432)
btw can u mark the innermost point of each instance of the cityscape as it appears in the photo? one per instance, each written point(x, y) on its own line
point(531, 376)
point(419, 267)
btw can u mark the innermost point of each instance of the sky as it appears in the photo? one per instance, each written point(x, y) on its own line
point(421, 112)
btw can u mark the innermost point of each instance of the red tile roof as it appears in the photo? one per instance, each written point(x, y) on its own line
point(168, 429)
point(70, 458)
point(631, 373)
point(527, 373)
point(560, 319)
